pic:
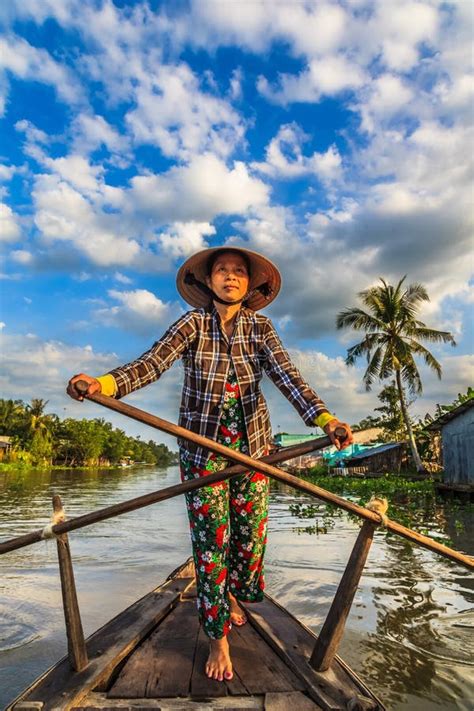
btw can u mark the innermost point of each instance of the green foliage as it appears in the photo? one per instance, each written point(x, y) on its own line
point(411, 503)
point(392, 333)
point(392, 341)
point(40, 438)
point(391, 419)
point(367, 423)
point(443, 409)
point(41, 447)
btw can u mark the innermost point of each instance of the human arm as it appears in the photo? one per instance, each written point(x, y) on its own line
point(145, 369)
point(289, 381)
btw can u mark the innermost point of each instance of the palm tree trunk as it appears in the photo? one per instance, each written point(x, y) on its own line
point(411, 437)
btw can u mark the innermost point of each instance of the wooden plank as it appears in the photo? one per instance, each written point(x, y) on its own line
point(60, 689)
point(186, 570)
point(75, 636)
point(332, 630)
point(260, 669)
point(201, 686)
point(99, 702)
point(289, 700)
point(294, 642)
point(163, 664)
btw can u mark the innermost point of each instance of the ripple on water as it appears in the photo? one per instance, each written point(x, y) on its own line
point(452, 637)
point(18, 627)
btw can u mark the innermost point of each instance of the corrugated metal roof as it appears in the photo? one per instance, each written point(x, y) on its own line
point(377, 450)
point(448, 416)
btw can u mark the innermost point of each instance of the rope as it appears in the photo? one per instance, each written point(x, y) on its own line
point(57, 517)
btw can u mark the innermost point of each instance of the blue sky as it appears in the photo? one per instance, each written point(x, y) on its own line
point(335, 137)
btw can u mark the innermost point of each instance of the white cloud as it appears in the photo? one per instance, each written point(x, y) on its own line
point(174, 114)
point(9, 227)
point(402, 27)
point(64, 214)
point(122, 278)
point(27, 62)
point(328, 76)
point(21, 256)
point(384, 98)
point(236, 84)
point(198, 191)
point(44, 367)
point(6, 172)
point(33, 134)
point(184, 238)
point(138, 311)
point(91, 131)
point(32, 365)
point(77, 171)
point(284, 157)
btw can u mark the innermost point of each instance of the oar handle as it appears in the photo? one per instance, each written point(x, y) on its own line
point(240, 458)
point(340, 433)
point(82, 387)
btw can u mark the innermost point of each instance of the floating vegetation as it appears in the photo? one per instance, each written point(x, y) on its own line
point(411, 503)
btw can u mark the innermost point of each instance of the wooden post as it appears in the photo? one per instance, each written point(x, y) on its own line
point(331, 633)
point(75, 636)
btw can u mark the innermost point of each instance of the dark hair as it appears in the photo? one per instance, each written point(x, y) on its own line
point(215, 256)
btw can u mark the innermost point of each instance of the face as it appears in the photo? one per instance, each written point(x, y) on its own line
point(229, 278)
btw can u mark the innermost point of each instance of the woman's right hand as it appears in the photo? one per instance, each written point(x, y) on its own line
point(93, 383)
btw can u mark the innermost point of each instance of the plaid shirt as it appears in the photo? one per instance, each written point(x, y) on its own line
point(207, 354)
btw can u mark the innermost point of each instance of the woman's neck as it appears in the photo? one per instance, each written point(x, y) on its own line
point(228, 314)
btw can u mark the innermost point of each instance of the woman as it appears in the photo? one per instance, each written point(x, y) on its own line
point(225, 345)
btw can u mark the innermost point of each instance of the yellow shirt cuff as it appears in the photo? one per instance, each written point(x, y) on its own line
point(323, 419)
point(107, 384)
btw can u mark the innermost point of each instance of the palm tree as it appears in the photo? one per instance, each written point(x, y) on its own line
point(392, 335)
point(38, 420)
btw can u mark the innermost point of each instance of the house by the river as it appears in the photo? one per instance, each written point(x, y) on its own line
point(457, 437)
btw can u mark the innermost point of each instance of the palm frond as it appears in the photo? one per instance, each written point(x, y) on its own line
point(364, 347)
point(411, 376)
point(428, 357)
point(387, 365)
point(433, 336)
point(372, 371)
point(358, 319)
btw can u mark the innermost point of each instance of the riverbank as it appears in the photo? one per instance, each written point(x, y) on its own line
point(27, 467)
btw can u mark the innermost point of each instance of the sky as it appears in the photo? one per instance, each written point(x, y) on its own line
point(334, 137)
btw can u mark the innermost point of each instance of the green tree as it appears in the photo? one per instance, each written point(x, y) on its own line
point(392, 416)
point(80, 442)
point(12, 414)
point(41, 447)
point(367, 423)
point(392, 341)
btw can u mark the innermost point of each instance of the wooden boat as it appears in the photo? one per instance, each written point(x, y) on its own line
point(152, 655)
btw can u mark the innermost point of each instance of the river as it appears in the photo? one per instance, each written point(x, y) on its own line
point(409, 634)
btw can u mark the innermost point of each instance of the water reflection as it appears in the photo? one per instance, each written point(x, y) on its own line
point(408, 634)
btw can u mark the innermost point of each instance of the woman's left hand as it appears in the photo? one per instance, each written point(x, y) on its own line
point(339, 442)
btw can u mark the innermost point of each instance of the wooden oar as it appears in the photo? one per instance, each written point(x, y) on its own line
point(266, 468)
point(153, 497)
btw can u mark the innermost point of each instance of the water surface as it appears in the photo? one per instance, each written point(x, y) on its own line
point(409, 634)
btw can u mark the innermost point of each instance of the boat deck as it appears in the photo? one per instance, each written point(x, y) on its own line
point(170, 663)
point(153, 656)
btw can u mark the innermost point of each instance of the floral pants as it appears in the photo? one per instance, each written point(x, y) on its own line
point(228, 522)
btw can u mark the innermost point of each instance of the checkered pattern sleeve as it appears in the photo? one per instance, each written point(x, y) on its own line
point(288, 379)
point(161, 356)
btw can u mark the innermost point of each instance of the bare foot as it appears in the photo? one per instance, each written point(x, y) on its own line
point(237, 615)
point(218, 665)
